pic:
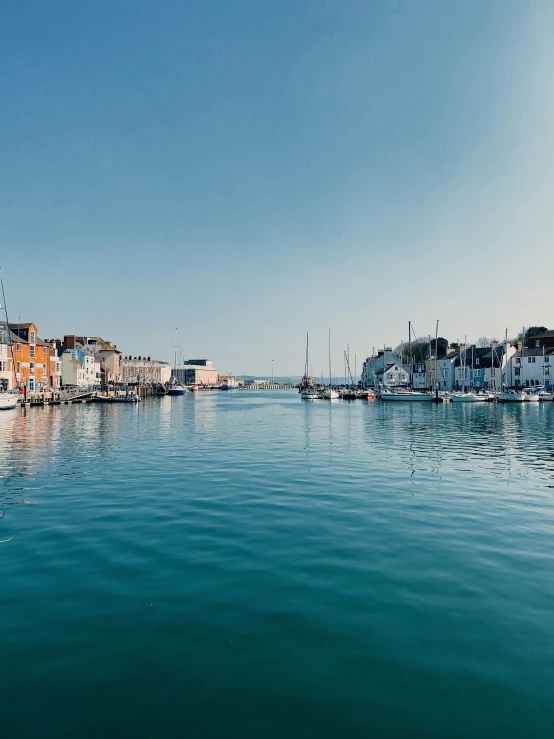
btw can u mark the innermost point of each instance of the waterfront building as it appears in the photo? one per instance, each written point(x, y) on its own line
point(196, 372)
point(85, 370)
point(73, 371)
point(546, 340)
point(232, 379)
point(420, 376)
point(107, 354)
point(32, 357)
point(7, 376)
point(531, 366)
point(144, 370)
point(378, 365)
point(482, 367)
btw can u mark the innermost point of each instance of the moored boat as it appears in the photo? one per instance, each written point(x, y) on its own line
point(176, 390)
point(469, 397)
point(510, 396)
point(8, 400)
point(411, 396)
point(131, 398)
point(529, 395)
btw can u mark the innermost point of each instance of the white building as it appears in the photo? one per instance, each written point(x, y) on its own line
point(144, 370)
point(531, 367)
point(7, 375)
point(373, 367)
point(73, 372)
point(393, 375)
point(92, 369)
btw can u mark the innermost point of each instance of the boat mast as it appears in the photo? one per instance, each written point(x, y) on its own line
point(504, 376)
point(330, 380)
point(306, 368)
point(436, 356)
point(176, 346)
point(522, 353)
point(410, 353)
point(8, 328)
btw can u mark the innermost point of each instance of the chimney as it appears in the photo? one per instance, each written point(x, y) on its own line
point(519, 345)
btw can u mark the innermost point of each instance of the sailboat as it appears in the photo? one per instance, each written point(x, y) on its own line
point(8, 398)
point(175, 387)
point(402, 394)
point(467, 396)
point(329, 393)
point(307, 389)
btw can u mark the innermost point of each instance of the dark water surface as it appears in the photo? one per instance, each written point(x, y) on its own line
point(252, 565)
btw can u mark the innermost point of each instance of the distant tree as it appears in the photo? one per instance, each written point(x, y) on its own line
point(534, 331)
point(442, 345)
point(419, 349)
point(455, 345)
point(483, 342)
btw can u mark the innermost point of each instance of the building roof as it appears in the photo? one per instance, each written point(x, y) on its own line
point(534, 352)
point(14, 337)
point(21, 331)
point(484, 354)
point(98, 343)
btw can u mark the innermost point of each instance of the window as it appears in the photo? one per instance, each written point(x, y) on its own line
point(518, 360)
point(18, 347)
point(476, 373)
point(547, 359)
point(19, 367)
point(44, 350)
point(32, 366)
point(477, 360)
point(517, 372)
point(537, 342)
point(32, 351)
point(492, 372)
point(32, 339)
point(3, 365)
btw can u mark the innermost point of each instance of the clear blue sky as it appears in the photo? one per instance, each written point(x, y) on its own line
point(251, 169)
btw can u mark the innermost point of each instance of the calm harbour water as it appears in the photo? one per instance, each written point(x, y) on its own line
point(247, 564)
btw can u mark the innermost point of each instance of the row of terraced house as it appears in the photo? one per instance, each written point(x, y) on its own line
point(528, 363)
point(43, 365)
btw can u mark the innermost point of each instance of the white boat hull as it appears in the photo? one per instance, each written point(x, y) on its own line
point(510, 398)
point(330, 394)
point(8, 401)
point(408, 397)
point(309, 395)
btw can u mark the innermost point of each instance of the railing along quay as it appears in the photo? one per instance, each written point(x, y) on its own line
point(269, 386)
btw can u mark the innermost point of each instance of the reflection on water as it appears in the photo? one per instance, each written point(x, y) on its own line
point(378, 569)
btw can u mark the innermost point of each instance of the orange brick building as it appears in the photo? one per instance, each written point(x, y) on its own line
point(33, 358)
